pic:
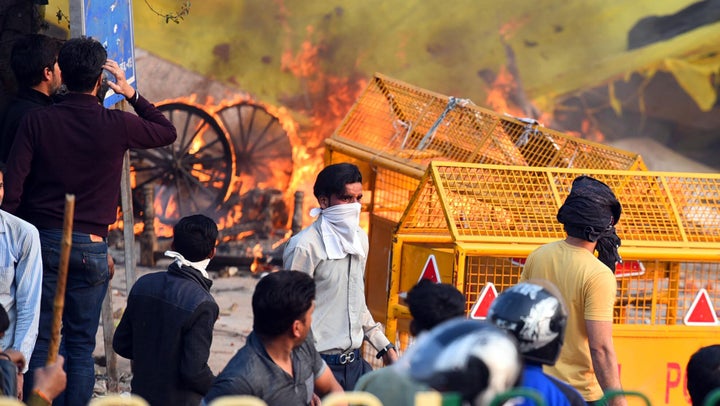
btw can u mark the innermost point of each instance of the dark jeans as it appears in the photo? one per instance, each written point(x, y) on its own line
point(87, 282)
point(347, 375)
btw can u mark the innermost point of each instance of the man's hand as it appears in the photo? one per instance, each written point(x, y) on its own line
point(16, 357)
point(120, 86)
point(390, 357)
point(51, 379)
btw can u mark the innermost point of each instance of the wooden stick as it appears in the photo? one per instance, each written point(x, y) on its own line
point(59, 303)
point(113, 382)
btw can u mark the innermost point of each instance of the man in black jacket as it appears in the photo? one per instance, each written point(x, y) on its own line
point(167, 327)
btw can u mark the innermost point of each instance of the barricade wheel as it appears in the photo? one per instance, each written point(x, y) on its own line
point(263, 153)
point(190, 176)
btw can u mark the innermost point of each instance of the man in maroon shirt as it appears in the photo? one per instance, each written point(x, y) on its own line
point(76, 146)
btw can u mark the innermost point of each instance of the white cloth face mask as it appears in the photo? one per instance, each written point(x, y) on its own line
point(340, 226)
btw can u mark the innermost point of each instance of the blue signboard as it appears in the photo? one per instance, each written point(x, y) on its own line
point(110, 22)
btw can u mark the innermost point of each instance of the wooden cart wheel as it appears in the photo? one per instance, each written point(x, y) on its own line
point(191, 176)
point(263, 153)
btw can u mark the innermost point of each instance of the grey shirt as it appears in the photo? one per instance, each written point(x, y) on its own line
point(252, 372)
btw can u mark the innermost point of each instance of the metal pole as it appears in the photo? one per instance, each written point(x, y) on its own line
point(297, 218)
point(128, 223)
point(77, 18)
point(113, 381)
point(148, 240)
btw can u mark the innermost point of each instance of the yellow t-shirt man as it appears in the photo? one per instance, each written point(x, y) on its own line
point(589, 289)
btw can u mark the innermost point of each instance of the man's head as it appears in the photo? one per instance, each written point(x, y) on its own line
point(432, 303)
point(590, 213)
point(194, 237)
point(81, 62)
point(282, 304)
point(703, 373)
point(34, 62)
point(338, 184)
point(534, 313)
point(469, 357)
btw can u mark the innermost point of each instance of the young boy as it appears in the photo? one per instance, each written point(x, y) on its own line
point(167, 327)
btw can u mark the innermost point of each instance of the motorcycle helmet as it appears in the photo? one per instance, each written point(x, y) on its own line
point(472, 358)
point(536, 316)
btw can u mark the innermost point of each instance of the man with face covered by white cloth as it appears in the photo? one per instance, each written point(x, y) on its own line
point(333, 250)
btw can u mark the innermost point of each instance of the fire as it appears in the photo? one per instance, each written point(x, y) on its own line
point(307, 118)
point(326, 100)
point(497, 94)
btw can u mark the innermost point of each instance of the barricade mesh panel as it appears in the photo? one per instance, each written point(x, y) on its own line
point(393, 191)
point(502, 272)
point(672, 216)
point(491, 203)
point(400, 127)
point(661, 292)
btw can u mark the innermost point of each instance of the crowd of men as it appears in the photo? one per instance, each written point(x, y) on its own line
point(551, 333)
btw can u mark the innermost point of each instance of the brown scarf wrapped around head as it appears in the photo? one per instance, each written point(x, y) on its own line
point(590, 212)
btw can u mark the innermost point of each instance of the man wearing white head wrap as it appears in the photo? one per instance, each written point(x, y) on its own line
point(333, 250)
point(587, 360)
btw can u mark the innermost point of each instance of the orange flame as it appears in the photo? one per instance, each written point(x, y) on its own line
point(307, 118)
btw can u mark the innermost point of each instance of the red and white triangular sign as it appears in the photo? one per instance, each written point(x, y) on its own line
point(701, 311)
point(430, 270)
point(480, 309)
point(629, 268)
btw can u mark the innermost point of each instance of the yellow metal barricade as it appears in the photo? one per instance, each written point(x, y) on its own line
point(479, 222)
point(394, 130)
point(118, 400)
point(238, 400)
point(397, 129)
point(351, 398)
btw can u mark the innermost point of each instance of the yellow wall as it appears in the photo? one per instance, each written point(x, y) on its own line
point(559, 46)
point(653, 359)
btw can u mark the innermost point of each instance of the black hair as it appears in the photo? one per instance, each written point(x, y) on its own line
point(3, 167)
point(279, 299)
point(703, 373)
point(432, 303)
point(81, 61)
point(194, 237)
point(333, 178)
point(4, 320)
point(30, 55)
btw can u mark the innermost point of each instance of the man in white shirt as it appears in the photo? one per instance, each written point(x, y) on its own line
point(333, 250)
point(20, 285)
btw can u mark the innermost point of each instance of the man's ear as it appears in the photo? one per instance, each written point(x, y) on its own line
point(47, 74)
point(296, 329)
point(212, 253)
point(324, 202)
point(98, 85)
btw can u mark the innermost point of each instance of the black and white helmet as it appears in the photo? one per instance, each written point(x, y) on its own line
point(469, 357)
point(535, 314)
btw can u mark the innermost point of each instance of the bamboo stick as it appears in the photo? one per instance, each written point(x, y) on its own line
point(59, 302)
